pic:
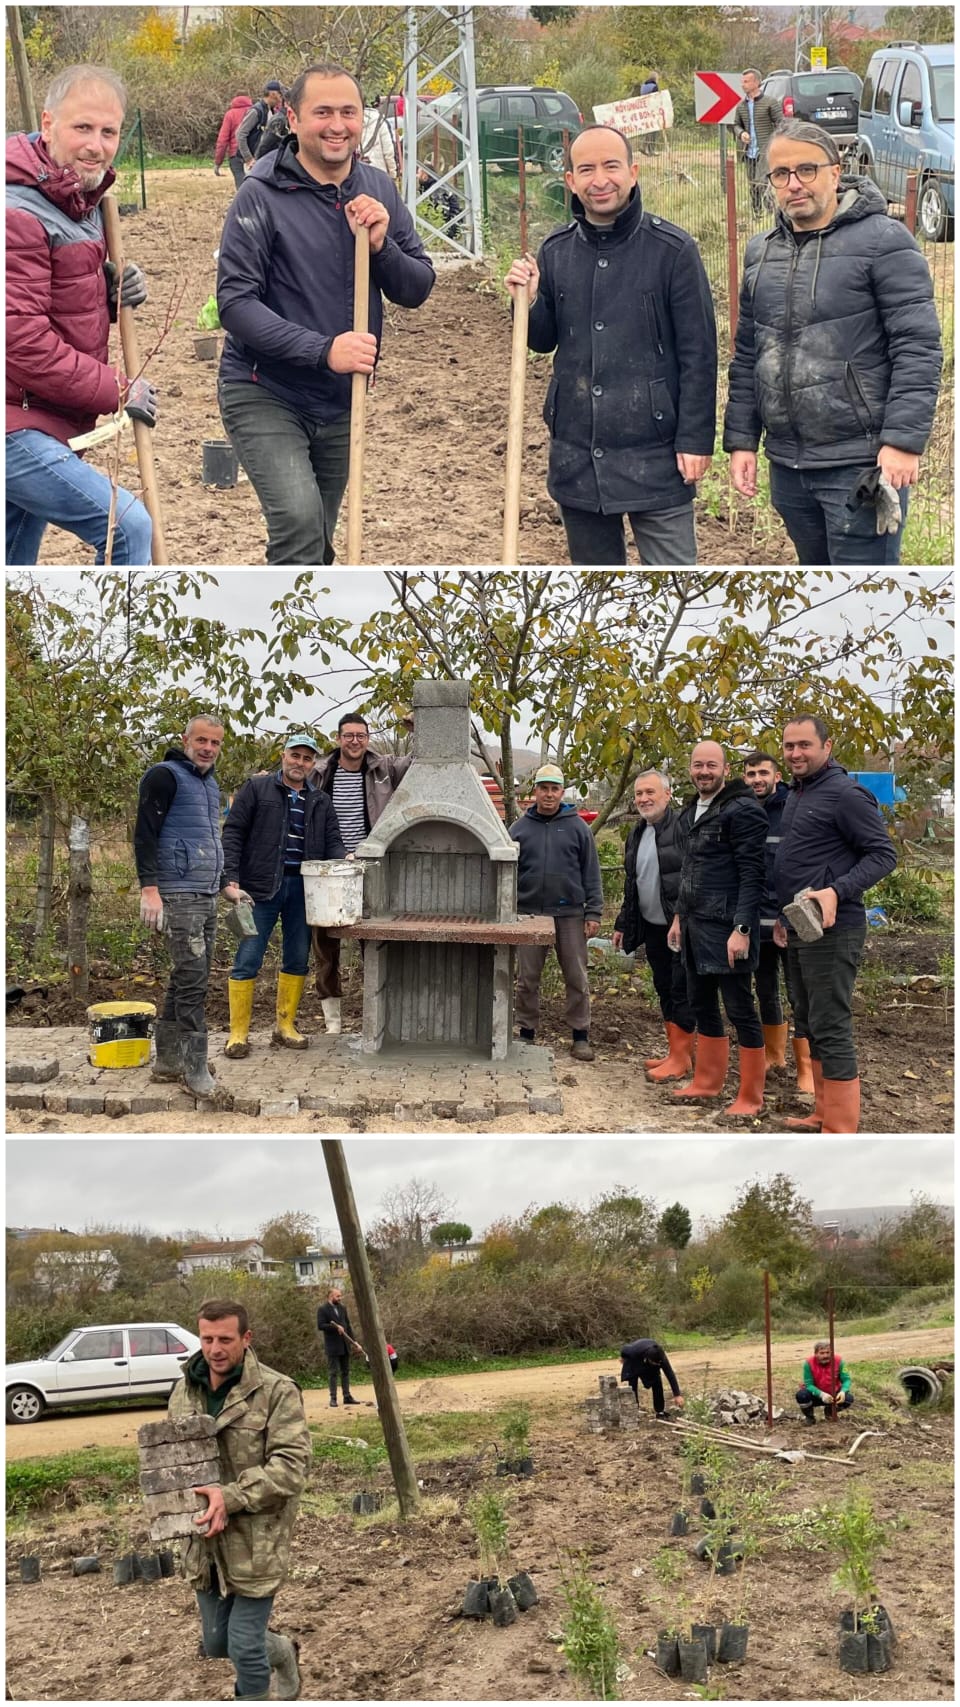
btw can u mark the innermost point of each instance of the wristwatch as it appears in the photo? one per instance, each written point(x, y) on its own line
point(742, 930)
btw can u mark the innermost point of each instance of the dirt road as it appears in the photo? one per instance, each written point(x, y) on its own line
point(564, 1382)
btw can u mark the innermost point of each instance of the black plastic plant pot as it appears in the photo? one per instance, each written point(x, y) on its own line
point(523, 1466)
point(523, 1591)
point(668, 1654)
point(30, 1569)
point(87, 1567)
point(123, 1568)
point(698, 1482)
point(707, 1634)
point(701, 1550)
point(503, 1607)
point(725, 1563)
point(880, 1650)
point(366, 1504)
point(126, 210)
point(220, 465)
point(732, 1645)
point(679, 1523)
point(150, 1567)
point(476, 1600)
point(707, 1510)
point(693, 1661)
point(168, 1564)
point(503, 1467)
point(853, 1651)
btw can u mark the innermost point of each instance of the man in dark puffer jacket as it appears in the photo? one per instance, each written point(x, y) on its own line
point(837, 359)
point(652, 860)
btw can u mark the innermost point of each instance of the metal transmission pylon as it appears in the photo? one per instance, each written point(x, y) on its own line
point(809, 34)
point(440, 42)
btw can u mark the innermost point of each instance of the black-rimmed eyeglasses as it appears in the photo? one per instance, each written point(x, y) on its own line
point(804, 173)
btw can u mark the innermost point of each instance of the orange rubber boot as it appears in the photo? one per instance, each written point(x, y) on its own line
point(810, 1122)
point(713, 1058)
point(679, 1062)
point(775, 1044)
point(841, 1105)
point(753, 1073)
point(657, 1060)
point(801, 1054)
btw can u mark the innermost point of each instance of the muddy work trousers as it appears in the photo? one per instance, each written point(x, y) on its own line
point(235, 1629)
point(190, 928)
point(571, 947)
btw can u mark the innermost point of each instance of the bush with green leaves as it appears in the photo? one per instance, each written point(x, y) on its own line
point(488, 1513)
point(590, 1642)
point(515, 1429)
point(906, 897)
point(858, 1536)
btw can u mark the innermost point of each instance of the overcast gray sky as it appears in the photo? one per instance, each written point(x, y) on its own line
point(242, 599)
point(227, 1188)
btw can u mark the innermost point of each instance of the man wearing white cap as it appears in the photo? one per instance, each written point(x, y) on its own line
point(277, 820)
point(558, 875)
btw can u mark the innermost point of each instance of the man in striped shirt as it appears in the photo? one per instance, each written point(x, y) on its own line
point(359, 784)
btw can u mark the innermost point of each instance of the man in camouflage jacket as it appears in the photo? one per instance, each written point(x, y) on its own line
point(241, 1553)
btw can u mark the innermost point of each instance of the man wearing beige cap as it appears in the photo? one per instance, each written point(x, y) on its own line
point(558, 875)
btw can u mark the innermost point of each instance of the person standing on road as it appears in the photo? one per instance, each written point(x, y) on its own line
point(826, 1382)
point(755, 121)
point(645, 1362)
point(837, 358)
point(359, 783)
point(622, 297)
point(338, 1340)
point(240, 1556)
point(61, 295)
point(275, 823)
point(227, 145)
point(762, 773)
point(716, 925)
point(652, 860)
point(558, 876)
point(285, 296)
point(179, 858)
point(833, 846)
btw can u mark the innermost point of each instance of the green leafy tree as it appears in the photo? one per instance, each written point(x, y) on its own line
point(451, 1233)
point(619, 1223)
point(771, 1225)
point(675, 1227)
point(919, 23)
point(285, 1237)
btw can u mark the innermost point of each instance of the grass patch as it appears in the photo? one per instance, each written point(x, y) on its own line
point(37, 1484)
point(434, 1508)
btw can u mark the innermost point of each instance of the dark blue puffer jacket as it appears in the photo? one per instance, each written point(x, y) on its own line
point(838, 345)
point(189, 849)
point(285, 278)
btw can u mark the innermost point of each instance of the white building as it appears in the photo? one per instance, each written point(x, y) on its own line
point(245, 1254)
point(320, 1267)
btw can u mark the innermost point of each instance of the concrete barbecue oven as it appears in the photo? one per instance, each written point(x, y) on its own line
point(440, 922)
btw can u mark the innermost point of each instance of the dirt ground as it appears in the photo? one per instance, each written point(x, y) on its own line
point(905, 1053)
point(436, 418)
point(374, 1604)
point(56, 1432)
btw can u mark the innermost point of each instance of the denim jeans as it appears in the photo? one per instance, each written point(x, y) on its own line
point(190, 927)
point(287, 905)
point(235, 1628)
point(49, 482)
point(297, 467)
point(822, 976)
point(661, 536)
point(824, 529)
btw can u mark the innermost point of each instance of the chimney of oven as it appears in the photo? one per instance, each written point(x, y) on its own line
point(441, 722)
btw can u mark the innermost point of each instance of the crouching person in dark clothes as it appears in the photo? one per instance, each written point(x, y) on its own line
point(826, 1382)
point(645, 1362)
point(241, 1553)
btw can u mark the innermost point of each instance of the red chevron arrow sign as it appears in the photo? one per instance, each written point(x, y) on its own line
point(716, 94)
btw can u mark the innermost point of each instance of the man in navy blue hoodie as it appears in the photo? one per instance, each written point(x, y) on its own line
point(285, 296)
point(834, 845)
point(558, 875)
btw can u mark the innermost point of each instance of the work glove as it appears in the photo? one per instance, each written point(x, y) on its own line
point(874, 488)
point(151, 911)
point(134, 286)
point(141, 401)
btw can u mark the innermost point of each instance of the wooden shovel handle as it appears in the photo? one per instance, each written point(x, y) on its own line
point(130, 344)
point(358, 400)
point(518, 378)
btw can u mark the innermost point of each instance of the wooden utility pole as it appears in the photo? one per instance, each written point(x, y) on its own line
point(375, 1345)
point(28, 109)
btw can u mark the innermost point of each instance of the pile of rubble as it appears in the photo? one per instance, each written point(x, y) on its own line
point(731, 1406)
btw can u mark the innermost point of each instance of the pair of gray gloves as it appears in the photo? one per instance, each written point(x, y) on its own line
point(874, 488)
point(130, 291)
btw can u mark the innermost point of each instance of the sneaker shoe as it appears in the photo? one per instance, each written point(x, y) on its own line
point(582, 1049)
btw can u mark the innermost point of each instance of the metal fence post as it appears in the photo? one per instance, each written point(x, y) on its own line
point(733, 266)
point(522, 172)
point(143, 175)
point(910, 203)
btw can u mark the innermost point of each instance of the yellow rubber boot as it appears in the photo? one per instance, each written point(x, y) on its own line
point(289, 991)
point(240, 996)
point(775, 1044)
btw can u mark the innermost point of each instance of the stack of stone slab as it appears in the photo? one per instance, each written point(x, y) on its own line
point(613, 1408)
point(177, 1456)
point(732, 1406)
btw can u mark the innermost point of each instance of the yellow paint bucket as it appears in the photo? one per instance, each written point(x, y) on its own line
point(120, 1033)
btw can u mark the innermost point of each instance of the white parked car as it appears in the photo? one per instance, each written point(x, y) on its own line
point(116, 1362)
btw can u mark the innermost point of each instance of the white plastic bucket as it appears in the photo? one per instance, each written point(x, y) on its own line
point(333, 891)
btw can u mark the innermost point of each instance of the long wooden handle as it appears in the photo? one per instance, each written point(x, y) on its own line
point(518, 378)
point(358, 400)
point(142, 434)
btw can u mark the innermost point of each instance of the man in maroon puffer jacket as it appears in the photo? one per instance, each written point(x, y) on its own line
point(61, 298)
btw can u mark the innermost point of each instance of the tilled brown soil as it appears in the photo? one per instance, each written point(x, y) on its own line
point(375, 1605)
point(436, 418)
